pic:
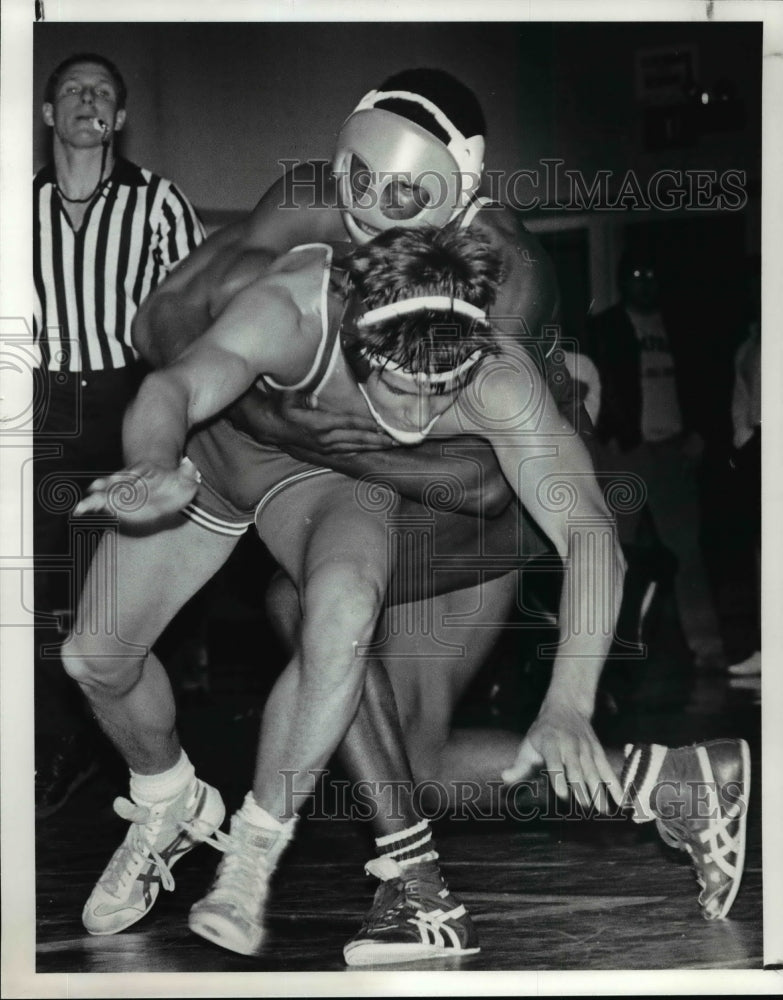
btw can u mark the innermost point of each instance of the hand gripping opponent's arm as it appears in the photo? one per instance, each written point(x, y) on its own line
point(185, 307)
point(356, 447)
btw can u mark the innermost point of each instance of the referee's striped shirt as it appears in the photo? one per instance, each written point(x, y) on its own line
point(89, 283)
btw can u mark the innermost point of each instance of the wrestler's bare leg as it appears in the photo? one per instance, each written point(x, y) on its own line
point(135, 586)
point(427, 681)
point(337, 557)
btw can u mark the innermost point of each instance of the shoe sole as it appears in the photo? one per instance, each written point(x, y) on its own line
point(213, 801)
point(222, 932)
point(743, 800)
point(372, 953)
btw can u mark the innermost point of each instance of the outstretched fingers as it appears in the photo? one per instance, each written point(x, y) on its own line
point(586, 772)
point(100, 491)
point(574, 760)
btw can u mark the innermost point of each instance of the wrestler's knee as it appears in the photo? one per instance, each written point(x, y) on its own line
point(342, 602)
point(98, 671)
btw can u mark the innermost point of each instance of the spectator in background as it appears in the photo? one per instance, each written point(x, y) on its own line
point(648, 424)
point(106, 232)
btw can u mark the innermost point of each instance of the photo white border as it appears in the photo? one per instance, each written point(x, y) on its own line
point(16, 296)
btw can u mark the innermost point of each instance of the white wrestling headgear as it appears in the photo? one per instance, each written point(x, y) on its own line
point(390, 145)
point(443, 381)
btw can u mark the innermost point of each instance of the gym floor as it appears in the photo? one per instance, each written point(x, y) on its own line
point(545, 894)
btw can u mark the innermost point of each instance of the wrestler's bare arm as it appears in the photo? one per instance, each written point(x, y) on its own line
point(181, 311)
point(356, 447)
point(299, 208)
point(550, 470)
point(203, 381)
point(173, 315)
point(182, 308)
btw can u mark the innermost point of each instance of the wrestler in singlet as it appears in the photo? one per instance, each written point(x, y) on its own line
point(240, 476)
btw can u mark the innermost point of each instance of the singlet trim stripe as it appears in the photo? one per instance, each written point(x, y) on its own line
point(214, 524)
point(297, 477)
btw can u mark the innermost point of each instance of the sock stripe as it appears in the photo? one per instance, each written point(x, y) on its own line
point(411, 831)
point(410, 847)
point(631, 765)
point(643, 765)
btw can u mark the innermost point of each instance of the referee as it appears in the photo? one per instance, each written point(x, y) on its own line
point(106, 233)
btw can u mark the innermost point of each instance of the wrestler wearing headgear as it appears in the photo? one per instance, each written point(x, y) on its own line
point(424, 353)
point(423, 122)
point(527, 294)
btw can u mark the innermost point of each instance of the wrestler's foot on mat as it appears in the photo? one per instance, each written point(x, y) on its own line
point(698, 797)
point(158, 837)
point(413, 917)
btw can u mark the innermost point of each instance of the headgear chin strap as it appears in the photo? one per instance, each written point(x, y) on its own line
point(389, 144)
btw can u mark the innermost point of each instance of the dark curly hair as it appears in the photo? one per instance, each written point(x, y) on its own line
point(406, 263)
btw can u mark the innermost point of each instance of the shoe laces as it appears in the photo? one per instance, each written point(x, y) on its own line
point(244, 870)
point(138, 846)
point(400, 891)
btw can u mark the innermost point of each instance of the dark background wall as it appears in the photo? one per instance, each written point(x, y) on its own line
point(215, 106)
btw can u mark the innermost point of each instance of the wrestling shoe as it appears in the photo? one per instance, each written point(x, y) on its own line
point(232, 912)
point(413, 917)
point(701, 807)
point(158, 837)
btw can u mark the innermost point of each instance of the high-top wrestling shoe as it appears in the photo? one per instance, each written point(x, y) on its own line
point(232, 912)
point(158, 837)
point(413, 917)
point(698, 796)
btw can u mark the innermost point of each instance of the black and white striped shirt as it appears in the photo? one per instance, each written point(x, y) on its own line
point(89, 283)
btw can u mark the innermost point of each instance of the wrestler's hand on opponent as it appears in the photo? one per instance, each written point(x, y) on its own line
point(562, 742)
point(142, 493)
point(296, 422)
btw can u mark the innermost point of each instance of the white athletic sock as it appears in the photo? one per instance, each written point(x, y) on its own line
point(280, 834)
point(147, 789)
point(258, 816)
point(410, 846)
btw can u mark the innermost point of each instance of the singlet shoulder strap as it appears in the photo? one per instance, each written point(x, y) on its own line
point(306, 270)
